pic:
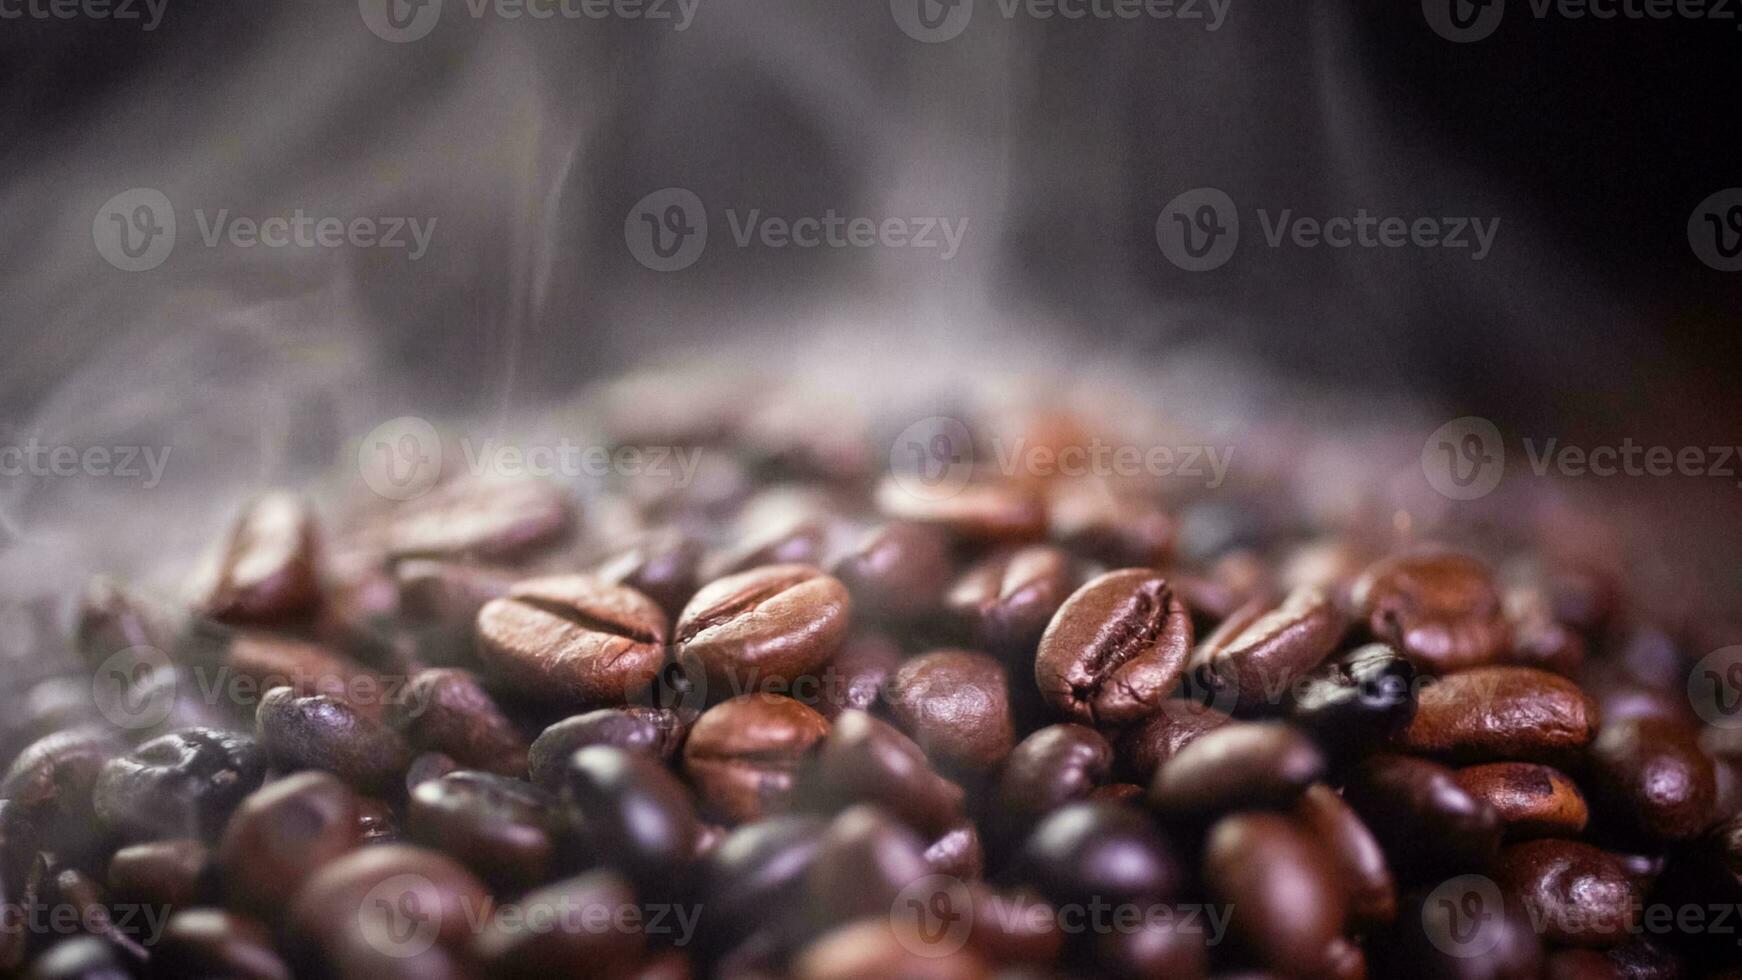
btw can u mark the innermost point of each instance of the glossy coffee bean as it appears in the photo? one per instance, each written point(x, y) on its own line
point(1143, 747)
point(869, 949)
point(773, 623)
point(376, 821)
point(866, 760)
point(1262, 650)
point(1115, 649)
point(1352, 848)
point(742, 754)
point(1638, 959)
point(1247, 765)
point(865, 858)
point(756, 874)
point(84, 958)
point(632, 814)
point(388, 911)
point(1579, 895)
point(281, 834)
point(1057, 765)
point(320, 732)
point(897, 571)
point(979, 512)
point(1406, 801)
point(1501, 713)
point(1440, 609)
point(1460, 936)
point(665, 567)
point(184, 784)
point(1532, 800)
point(958, 853)
point(956, 705)
point(1287, 901)
point(213, 943)
point(574, 639)
point(500, 828)
point(267, 567)
point(491, 521)
point(578, 927)
point(172, 872)
point(446, 710)
point(50, 785)
point(1356, 700)
point(1005, 602)
point(1084, 851)
point(856, 679)
point(1155, 947)
point(655, 731)
point(1651, 778)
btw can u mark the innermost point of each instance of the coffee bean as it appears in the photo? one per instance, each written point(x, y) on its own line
point(1145, 746)
point(756, 874)
point(979, 512)
point(449, 593)
point(1005, 602)
point(1652, 778)
point(770, 624)
point(1246, 765)
point(1440, 609)
point(266, 569)
point(1261, 650)
point(50, 785)
point(388, 911)
point(655, 731)
point(447, 710)
point(1118, 793)
point(743, 753)
point(281, 834)
point(897, 571)
point(664, 567)
point(84, 958)
point(1532, 800)
point(1460, 937)
point(869, 949)
point(1637, 959)
point(1406, 801)
point(859, 673)
point(1579, 895)
point(320, 732)
point(779, 527)
point(1357, 700)
point(956, 705)
point(1084, 852)
point(1057, 765)
point(544, 941)
point(215, 943)
point(1114, 649)
point(1283, 890)
point(573, 638)
point(632, 814)
point(866, 760)
point(1120, 530)
point(161, 873)
point(866, 857)
point(958, 853)
point(184, 784)
point(499, 521)
point(1501, 713)
point(1352, 848)
point(112, 617)
point(500, 828)
point(376, 821)
point(1538, 639)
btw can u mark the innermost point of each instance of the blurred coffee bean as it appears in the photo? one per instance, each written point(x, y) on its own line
point(320, 732)
point(656, 731)
point(428, 765)
point(376, 821)
point(1650, 777)
point(865, 858)
point(1157, 946)
point(866, 760)
point(84, 958)
point(1284, 892)
point(632, 814)
point(979, 512)
point(1501, 713)
point(756, 873)
point(956, 705)
point(173, 872)
point(112, 617)
point(388, 911)
point(1005, 602)
point(1637, 959)
point(1538, 639)
point(184, 784)
point(50, 786)
point(1057, 765)
point(1357, 700)
point(447, 710)
point(743, 753)
point(574, 639)
point(665, 567)
point(584, 926)
point(1406, 801)
point(1440, 609)
point(897, 571)
point(958, 853)
point(281, 834)
point(1082, 852)
point(494, 521)
point(1118, 529)
point(869, 949)
point(211, 943)
point(780, 526)
point(1115, 649)
point(856, 678)
point(1578, 895)
point(1262, 650)
point(1457, 932)
point(500, 828)
point(1118, 793)
point(770, 624)
point(1353, 850)
point(449, 593)
point(1143, 747)
point(1532, 800)
point(267, 569)
point(1247, 765)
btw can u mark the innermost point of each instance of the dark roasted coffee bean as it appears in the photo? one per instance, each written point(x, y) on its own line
point(447, 710)
point(1284, 892)
point(869, 949)
point(214, 943)
point(867, 760)
point(573, 638)
point(84, 958)
point(1118, 793)
point(1119, 530)
point(50, 785)
point(161, 873)
point(1087, 851)
point(1406, 801)
point(1352, 848)
point(1005, 602)
point(665, 568)
point(1146, 745)
point(1261, 650)
point(1501, 713)
point(958, 853)
point(1460, 930)
point(376, 821)
point(1637, 959)
point(743, 753)
point(267, 568)
point(184, 784)
point(897, 570)
point(493, 521)
point(755, 876)
point(979, 512)
point(655, 731)
point(631, 813)
point(1442, 610)
point(1356, 700)
point(1057, 765)
point(1651, 778)
point(773, 624)
point(320, 732)
point(500, 828)
point(388, 911)
point(956, 705)
point(281, 834)
point(597, 939)
point(1532, 800)
point(1579, 895)
point(1247, 765)
point(79, 898)
point(1115, 649)
point(858, 675)
point(866, 857)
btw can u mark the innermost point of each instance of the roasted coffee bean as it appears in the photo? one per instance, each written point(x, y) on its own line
point(1247, 765)
point(866, 857)
point(112, 617)
point(1652, 779)
point(493, 521)
point(1441, 610)
point(161, 873)
point(376, 821)
point(1156, 946)
point(184, 784)
point(1057, 765)
point(866, 760)
point(857, 676)
point(958, 853)
point(388, 911)
point(266, 661)
point(1087, 851)
point(1118, 793)
point(1114, 649)
point(1579, 895)
point(1458, 931)
point(447, 710)
point(631, 813)
point(1637, 959)
point(320, 732)
point(214, 943)
point(869, 949)
point(1357, 700)
point(1119, 530)
point(1352, 848)
point(81, 899)
point(1501, 713)
point(1284, 892)
point(1005, 602)
point(756, 874)
point(655, 731)
point(500, 828)
point(1538, 639)
point(50, 785)
point(267, 569)
point(1406, 801)
point(979, 512)
point(743, 753)
point(1532, 800)
point(283, 833)
point(449, 593)
point(1146, 745)
point(573, 638)
point(600, 942)
point(773, 623)
point(84, 958)
point(956, 705)
point(1261, 650)
point(665, 567)
point(897, 571)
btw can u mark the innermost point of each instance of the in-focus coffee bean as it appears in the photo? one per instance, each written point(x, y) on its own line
point(1532, 800)
point(956, 705)
point(184, 784)
point(1441, 609)
point(742, 754)
point(573, 639)
point(1115, 649)
point(770, 624)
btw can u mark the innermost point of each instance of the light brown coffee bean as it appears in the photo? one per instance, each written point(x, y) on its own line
point(956, 705)
point(1440, 609)
point(574, 639)
point(267, 569)
point(1532, 800)
point(742, 754)
point(773, 623)
point(980, 512)
point(494, 521)
point(1246, 765)
point(1261, 650)
point(1115, 649)
point(1501, 713)
point(1005, 602)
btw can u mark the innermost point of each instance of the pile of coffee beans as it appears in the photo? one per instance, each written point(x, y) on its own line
point(790, 715)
